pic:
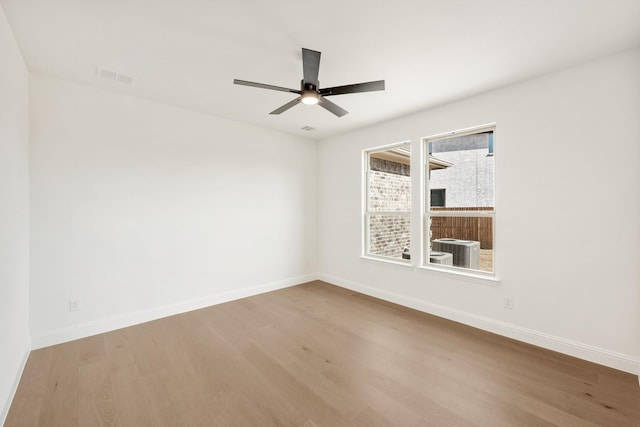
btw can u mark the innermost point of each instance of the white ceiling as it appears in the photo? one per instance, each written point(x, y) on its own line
point(187, 53)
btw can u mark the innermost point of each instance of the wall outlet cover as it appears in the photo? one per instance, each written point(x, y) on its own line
point(74, 304)
point(508, 302)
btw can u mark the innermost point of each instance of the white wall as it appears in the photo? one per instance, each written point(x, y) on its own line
point(14, 216)
point(142, 210)
point(568, 208)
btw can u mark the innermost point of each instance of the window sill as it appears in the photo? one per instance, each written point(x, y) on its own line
point(463, 275)
point(406, 263)
point(443, 272)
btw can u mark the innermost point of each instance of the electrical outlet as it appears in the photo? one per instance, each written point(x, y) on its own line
point(74, 304)
point(508, 302)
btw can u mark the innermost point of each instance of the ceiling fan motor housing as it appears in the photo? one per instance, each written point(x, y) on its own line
point(308, 86)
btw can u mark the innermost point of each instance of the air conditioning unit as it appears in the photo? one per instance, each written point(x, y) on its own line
point(466, 253)
point(442, 258)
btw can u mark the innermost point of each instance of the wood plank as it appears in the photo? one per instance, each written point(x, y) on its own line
point(315, 355)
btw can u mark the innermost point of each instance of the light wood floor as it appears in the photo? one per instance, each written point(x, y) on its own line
point(315, 355)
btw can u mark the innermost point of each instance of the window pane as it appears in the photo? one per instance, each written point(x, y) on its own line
point(390, 180)
point(388, 226)
point(460, 213)
point(463, 168)
point(438, 197)
point(389, 235)
point(461, 241)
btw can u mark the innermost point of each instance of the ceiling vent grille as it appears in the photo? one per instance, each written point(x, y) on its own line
point(114, 76)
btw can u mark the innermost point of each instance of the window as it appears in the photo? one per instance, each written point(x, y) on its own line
point(387, 216)
point(438, 197)
point(459, 229)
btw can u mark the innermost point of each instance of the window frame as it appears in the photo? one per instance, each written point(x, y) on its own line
point(427, 214)
point(367, 213)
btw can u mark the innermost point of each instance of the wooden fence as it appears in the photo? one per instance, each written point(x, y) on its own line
point(479, 229)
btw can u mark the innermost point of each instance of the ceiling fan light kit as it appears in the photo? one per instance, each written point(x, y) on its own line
point(310, 93)
point(310, 97)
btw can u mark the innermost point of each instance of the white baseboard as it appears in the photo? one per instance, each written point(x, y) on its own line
point(122, 321)
point(14, 386)
point(591, 353)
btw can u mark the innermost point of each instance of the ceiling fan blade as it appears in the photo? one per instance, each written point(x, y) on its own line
point(286, 106)
point(330, 106)
point(310, 66)
point(264, 86)
point(355, 88)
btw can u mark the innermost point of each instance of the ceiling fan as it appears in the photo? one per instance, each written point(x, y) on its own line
point(309, 91)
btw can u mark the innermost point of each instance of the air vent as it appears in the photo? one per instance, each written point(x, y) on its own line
point(308, 128)
point(114, 76)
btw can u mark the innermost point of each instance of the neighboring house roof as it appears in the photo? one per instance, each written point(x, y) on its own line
point(403, 154)
point(435, 163)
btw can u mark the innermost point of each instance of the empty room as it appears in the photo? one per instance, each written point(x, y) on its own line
point(338, 213)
